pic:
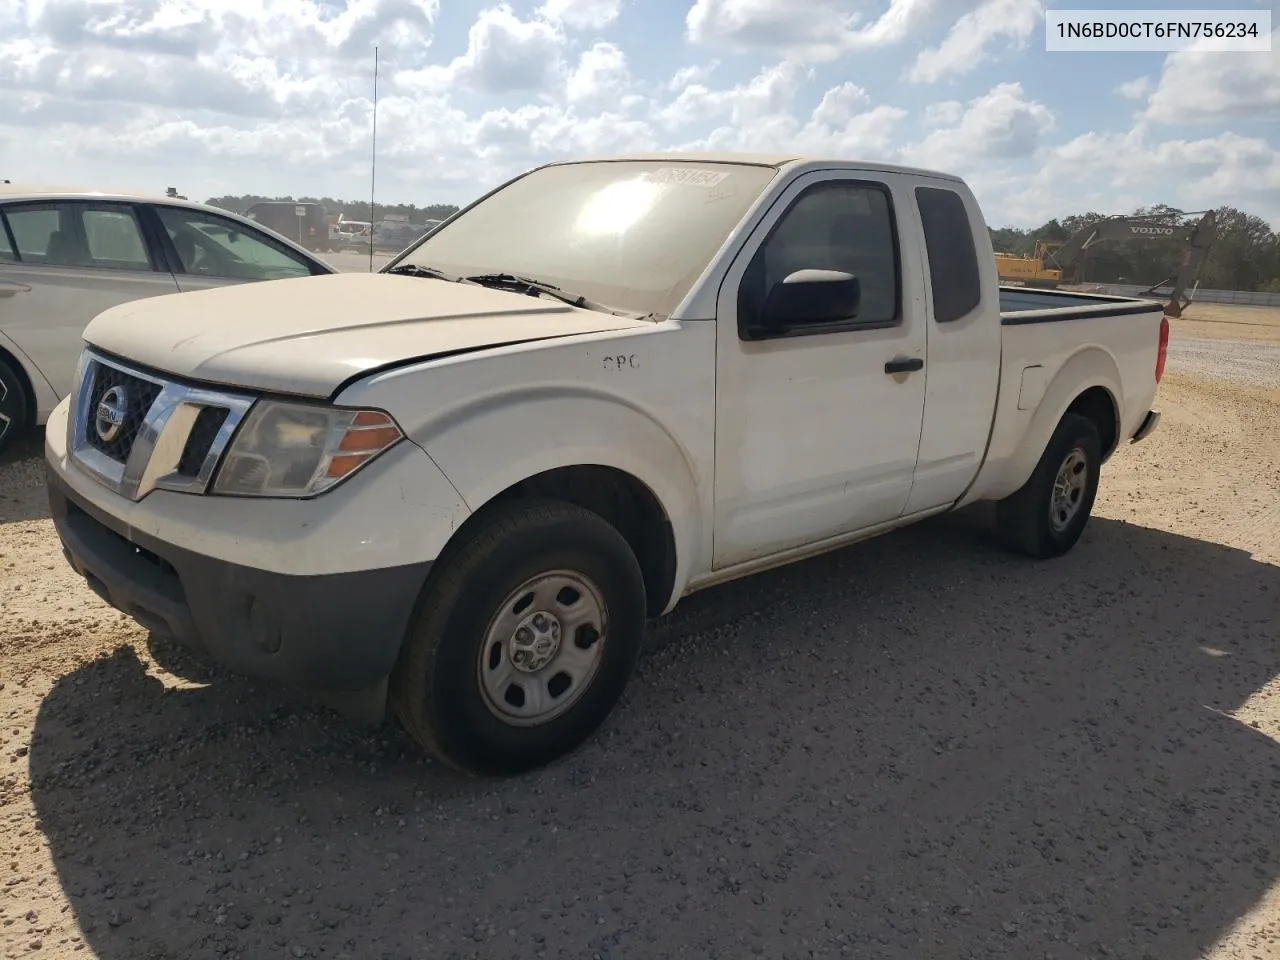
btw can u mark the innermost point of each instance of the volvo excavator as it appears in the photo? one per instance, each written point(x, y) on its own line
point(1055, 264)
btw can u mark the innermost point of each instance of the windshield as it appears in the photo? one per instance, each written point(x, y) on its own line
point(633, 235)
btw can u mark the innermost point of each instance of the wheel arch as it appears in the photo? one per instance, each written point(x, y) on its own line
point(1098, 405)
point(1089, 384)
point(622, 500)
point(28, 385)
point(586, 445)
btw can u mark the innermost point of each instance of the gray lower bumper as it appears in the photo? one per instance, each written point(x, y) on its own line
point(336, 635)
point(1148, 424)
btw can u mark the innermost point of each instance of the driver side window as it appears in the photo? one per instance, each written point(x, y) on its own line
point(840, 225)
point(210, 246)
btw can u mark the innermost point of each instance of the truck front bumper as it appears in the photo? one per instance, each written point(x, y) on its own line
point(331, 633)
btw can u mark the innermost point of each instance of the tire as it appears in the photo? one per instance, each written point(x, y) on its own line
point(15, 406)
point(1032, 520)
point(476, 636)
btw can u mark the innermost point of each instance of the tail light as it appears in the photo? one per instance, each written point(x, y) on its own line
point(1163, 352)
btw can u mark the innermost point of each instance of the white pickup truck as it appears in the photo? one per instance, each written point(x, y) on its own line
point(461, 485)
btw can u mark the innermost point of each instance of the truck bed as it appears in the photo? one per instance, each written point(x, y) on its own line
point(1111, 343)
point(1022, 305)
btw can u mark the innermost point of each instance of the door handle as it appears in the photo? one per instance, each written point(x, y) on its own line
point(9, 288)
point(904, 365)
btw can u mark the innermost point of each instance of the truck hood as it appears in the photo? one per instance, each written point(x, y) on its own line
point(309, 335)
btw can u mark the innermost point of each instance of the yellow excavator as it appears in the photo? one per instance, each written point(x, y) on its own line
point(1016, 271)
point(1055, 264)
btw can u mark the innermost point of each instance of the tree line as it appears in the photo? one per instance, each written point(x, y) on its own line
point(1245, 256)
point(349, 209)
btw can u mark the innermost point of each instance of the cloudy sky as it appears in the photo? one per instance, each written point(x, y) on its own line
point(274, 96)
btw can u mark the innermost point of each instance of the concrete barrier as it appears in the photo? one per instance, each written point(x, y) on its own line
point(1253, 298)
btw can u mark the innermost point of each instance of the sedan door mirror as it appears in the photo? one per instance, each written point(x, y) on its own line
point(811, 297)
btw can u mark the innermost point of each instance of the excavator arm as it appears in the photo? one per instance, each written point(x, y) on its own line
point(1199, 241)
point(1071, 255)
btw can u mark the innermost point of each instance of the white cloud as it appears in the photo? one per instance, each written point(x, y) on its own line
point(1137, 89)
point(759, 116)
point(818, 30)
point(1210, 167)
point(601, 76)
point(581, 14)
point(260, 59)
point(687, 76)
point(1116, 173)
point(1000, 125)
point(945, 114)
point(504, 55)
point(965, 46)
point(302, 29)
point(812, 29)
point(769, 93)
point(1197, 86)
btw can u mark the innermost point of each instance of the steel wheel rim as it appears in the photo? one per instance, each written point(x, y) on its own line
point(1068, 490)
point(6, 418)
point(542, 648)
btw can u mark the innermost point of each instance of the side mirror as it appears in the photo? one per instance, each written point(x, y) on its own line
point(811, 296)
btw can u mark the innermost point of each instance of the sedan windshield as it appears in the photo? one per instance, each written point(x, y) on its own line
point(630, 235)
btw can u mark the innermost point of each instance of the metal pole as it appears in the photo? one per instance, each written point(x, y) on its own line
point(373, 164)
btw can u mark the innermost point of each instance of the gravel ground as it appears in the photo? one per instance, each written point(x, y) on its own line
point(1254, 363)
point(917, 747)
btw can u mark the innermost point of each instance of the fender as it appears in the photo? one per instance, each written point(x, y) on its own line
point(490, 443)
point(1089, 366)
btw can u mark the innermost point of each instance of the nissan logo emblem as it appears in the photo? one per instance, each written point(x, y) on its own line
point(108, 418)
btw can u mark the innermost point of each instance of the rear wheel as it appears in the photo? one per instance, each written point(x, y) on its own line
point(1048, 514)
point(15, 405)
point(525, 638)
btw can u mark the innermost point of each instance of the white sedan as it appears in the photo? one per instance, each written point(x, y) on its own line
point(67, 255)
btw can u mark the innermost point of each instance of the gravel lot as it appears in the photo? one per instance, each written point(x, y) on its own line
point(916, 747)
point(1253, 363)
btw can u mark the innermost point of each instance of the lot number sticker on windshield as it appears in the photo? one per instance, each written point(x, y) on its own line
point(687, 176)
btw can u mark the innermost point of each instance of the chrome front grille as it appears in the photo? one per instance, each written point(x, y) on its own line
point(118, 404)
point(135, 432)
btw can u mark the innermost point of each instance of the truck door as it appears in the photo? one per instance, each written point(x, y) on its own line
point(964, 345)
point(818, 417)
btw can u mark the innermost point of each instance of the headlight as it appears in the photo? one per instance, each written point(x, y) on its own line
point(298, 449)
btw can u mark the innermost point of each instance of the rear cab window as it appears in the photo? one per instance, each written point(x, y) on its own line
point(953, 260)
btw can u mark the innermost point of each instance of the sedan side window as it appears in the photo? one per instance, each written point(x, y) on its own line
point(114, 239)
point(842, 225)
point(78, 235)
point(6, 247)
point(33, 227)
point(211, 246)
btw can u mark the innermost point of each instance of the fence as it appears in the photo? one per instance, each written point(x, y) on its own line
point(1252, 298)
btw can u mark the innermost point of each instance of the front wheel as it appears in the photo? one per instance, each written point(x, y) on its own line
point(1048, 514)
point(524, 641)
